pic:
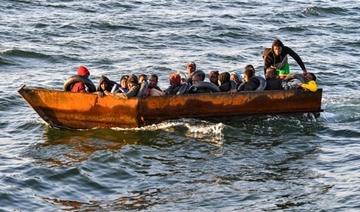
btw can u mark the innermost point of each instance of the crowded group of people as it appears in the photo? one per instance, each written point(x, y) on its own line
point(276, 71)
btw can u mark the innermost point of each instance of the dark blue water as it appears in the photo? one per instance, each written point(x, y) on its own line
point(296, 163)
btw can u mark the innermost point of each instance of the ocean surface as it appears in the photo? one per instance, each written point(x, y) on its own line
point(263, 163)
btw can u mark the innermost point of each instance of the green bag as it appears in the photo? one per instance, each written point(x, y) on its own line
point(284, 71)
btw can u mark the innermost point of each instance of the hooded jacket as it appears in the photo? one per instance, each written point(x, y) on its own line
point(270, 59)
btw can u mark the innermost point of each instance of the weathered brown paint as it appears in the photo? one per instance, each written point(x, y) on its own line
point(82, 111)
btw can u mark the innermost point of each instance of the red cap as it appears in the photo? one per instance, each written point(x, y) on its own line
point(83, 71)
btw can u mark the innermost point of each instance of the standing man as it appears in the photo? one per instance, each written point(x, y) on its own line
point(277, 58)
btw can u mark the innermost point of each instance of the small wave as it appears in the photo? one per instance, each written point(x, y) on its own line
point(24, 54)
point(319, 11)
point(40, 25)
point(293, 29)
point(4, 61)
point(17, 54)
point(108, 25)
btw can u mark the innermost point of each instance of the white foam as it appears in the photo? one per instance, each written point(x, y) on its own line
point(213, 133)
point(206, 131)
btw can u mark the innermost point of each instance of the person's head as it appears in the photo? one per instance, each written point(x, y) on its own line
point(175, 79)
point(214, 77)
point(234, 77)
point(153, 80)
point(190, 67)
point(270, 73)
point(83, 71)
point(142, 78)
point(248, 73)
point(309, 76)
point(132, 81)
point(250, 68)
point(224, 77)
point(104, 83)
point(124, 81)
point(198, 76)
point(277, 47)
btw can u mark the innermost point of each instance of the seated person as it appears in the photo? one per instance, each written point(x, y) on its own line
point(306, 81)
point(143, 81)
point(199, 86)
point(106, 86)
point(225, 83)
point(123, 86)
point(190, 69)
point(251, 83)
point(80, 83)
point(175, 84)
point(153, 88)
point(235, 77)
point(133, 85)
point(272, 81)
point(250, 68)
point(214, 77)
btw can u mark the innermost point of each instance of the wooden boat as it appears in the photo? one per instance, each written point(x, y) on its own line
point(83, 111)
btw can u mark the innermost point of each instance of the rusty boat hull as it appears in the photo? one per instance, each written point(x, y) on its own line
point(85, 111)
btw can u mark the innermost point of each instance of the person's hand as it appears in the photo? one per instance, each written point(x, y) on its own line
point(107, 93)
point(101, 94)
point(305, 71)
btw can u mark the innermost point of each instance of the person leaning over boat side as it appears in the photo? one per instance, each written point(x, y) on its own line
point(153, 88)
point(225, 83)
point(305, 81)
point(80, 87)
point(273, 82)
point(251, 83)
point(214, 77)
point(175, 84)
point(106, 86)
point(310, 82)
point(277, 58)
point(133, 85)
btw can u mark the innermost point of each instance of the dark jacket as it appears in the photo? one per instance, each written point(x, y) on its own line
point(271, 60)
point(172, 90)
point(273, 84)
point(250, 85)
point(132, 92)
point(203, 87)
point(228, 86)
point(225, 83)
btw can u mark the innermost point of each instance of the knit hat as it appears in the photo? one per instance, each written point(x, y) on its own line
point(83, 71)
